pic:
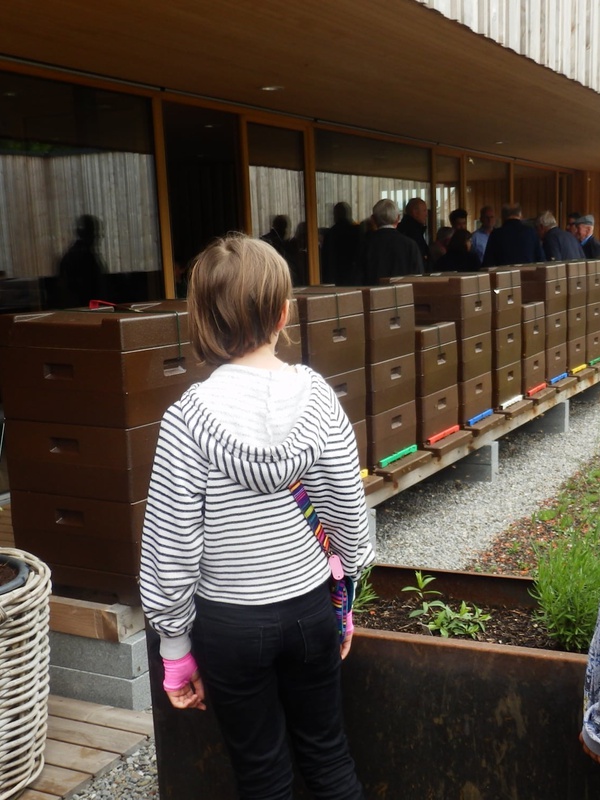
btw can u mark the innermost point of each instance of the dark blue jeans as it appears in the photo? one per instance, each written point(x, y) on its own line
point(273, 672)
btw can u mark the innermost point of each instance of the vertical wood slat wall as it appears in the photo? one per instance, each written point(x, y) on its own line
point(563, 35)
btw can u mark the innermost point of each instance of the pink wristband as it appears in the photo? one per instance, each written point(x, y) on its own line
point(178, 672)
point(349, 624)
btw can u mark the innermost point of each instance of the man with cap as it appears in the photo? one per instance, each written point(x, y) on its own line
point(585, 234)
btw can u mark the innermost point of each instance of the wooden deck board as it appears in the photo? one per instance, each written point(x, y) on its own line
point(60, 781)
point(82, 759)
point(96, 736)
point(118, 718)
point(84, 741)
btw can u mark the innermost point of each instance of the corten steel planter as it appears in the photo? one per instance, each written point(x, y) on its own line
point(426, 717)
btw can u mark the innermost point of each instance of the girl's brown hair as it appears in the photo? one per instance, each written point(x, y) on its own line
point(237, 290)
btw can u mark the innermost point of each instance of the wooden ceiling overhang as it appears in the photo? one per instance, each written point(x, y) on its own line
point(401, 69)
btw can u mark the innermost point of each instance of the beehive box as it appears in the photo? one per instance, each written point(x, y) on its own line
point(461, 298)
point(436, 353)
point(545, 283)
point(333, 330)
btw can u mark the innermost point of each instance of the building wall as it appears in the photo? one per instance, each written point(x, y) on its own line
point(563, 35)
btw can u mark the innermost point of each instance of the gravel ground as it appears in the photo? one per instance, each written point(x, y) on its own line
point(441, 524)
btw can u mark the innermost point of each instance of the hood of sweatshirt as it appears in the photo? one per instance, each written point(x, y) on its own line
point(231, 415)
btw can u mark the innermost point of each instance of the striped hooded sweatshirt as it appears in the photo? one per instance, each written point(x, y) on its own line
point(220, 519)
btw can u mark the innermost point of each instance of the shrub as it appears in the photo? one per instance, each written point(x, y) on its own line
point(567, 588)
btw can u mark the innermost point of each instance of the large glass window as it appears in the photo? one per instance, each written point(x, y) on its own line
point(277, 193)
point(353, 173)
point(201, 150)
point(78, 214)
point(487, 185)
point(447, 188)
point(535, 190)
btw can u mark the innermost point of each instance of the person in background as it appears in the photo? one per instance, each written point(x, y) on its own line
point(585, 235)
point(414, 225)
point(572, 222)
point(232, 577)
point(458, 219)
point(558, 244)
point(438, 248)
point(479, 239)
point(459, 257)
point(81, 271)
point(514, 242)
point(387, 253)
point(340, 250)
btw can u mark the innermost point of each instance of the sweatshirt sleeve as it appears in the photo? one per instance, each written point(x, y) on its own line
point(335, 487)
point(173, 535)
point(591, 695)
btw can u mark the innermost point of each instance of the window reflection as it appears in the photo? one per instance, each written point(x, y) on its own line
point(447, 190)
point(535, 190)
point(487, 185)
point(277, 194)
point(69, 152)
point(353, 173)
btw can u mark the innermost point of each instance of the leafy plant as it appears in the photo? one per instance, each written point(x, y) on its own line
point(567, 588)
point(466, 621)
point(422, 582)
point(365, 594)
point(440, 617)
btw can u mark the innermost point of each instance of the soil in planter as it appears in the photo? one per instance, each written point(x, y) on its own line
point(515, 626)
point(7, 573)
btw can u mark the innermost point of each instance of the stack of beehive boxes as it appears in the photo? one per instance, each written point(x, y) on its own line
point(506, 336)
point(533, 341)
point(462, 298)
point(83, 396)
point(333, 343)
point(593, 313)
point(436, 352)
point(390, 368)
point(576, 316)
point(547, 283)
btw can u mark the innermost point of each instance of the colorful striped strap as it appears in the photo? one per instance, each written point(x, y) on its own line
point(306, 507)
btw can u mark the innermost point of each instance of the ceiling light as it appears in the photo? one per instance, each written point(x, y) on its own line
point(272, 88)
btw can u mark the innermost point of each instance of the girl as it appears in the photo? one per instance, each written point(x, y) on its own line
point(225, 543)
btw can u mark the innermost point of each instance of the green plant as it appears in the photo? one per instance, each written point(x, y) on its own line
point(439, 616)
point(365, 594)
point(567, 588)
point(422, 593)
point(422, 582)
point(466, 621)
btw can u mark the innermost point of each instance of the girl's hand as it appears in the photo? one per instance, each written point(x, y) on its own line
point(182, 682)
point(347, 643)
point(190, 696)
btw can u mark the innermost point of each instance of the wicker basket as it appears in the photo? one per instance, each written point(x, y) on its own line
point(24, 676)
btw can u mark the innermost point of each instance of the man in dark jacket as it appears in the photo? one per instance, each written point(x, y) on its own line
point(514, 242)
point(585, 234)
point(558, 245)
point(414, 225)
point(386, 252)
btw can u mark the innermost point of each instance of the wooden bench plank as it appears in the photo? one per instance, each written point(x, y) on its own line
point(119, 718)
point(82, 759)
point(88, 735)
point(111, 623)
point(61, 782)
